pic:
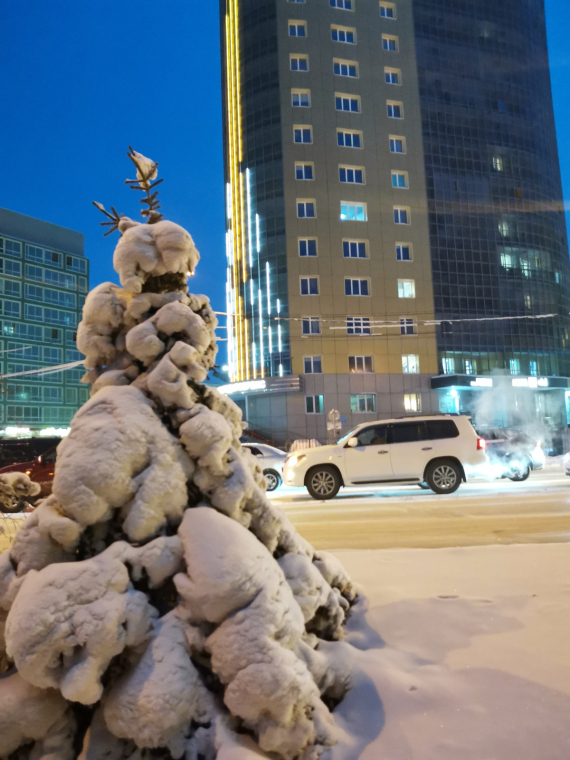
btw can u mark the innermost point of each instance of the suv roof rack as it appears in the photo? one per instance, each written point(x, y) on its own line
point(435, 414)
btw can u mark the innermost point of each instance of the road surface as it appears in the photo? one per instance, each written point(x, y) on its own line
point(499, 512)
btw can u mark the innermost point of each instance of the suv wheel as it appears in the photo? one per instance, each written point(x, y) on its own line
point(443, 476)
point(519, 471)
point(272, 480)
point(323, 482)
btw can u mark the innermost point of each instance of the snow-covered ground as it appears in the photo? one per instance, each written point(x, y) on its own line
point(464, 655)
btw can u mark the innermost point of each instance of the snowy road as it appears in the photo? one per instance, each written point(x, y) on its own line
point(500, 512)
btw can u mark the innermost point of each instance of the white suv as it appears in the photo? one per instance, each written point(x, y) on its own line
point(436, 452)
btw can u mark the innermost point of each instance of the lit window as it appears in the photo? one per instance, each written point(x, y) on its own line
point(412, 402)
point(301, 98)
point(347, 103)
point(406, 288)
point(302, 133)
point(345, 5)
point(356, 287)
point(307, 246)
point(527, 301)
point(348, 138)
point(354, 249)
point(362, 402)
point(387, 10)
point(533, 368)
point(515, 366)
point(507, 261)
point(313, 365)
point(389, 42)
point(407, 326)
point(498, 165)
point(314, 404)
point(345, 68)
point(356, 212)
point(311, 326)
point(470, 367)
point(525, 267)
point(309, 286)
point(393, 76)
point(448, 366)
point(360, 364)
point(400, 180)
point(358, 326)
point(299, 62)
point(401, 215)
point(403, 252)
point(343, 34)
point(395, 110)
point(297, 28)
point(504, 228)
point(306, 209)
point(397, 144)
point(557, 278)
point(351, 174)
point(410, 364)
point(304, 171)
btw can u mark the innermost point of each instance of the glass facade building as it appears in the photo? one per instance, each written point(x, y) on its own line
point(44, 278)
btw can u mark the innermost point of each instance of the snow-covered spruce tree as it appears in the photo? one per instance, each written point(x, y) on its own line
point(157, 605)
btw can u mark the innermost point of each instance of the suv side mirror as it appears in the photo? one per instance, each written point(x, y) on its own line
point(352, 443)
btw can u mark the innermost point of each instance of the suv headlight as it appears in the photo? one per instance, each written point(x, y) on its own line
point(294, 459)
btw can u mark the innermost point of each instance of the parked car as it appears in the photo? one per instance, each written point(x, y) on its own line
point(517, 453)
point(24, 450)
point(271, 461)
point(437, 450)
point(40, 470)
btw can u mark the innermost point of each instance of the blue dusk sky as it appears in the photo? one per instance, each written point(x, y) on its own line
point(81, 81)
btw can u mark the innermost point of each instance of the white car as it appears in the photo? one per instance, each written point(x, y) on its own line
point(436, 452)
point(271, 461)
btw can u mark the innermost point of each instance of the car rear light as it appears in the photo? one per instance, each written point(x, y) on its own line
point(481, 444)
point(28, 472)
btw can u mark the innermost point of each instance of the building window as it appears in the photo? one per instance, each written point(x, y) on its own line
point(533, 368)
point(401, 215)
point(360, 364)
point(392, 76)
point(309, 286)
point(362, 402)
point(9, 308)
point(400, 180)
point(504, 228)
point(302, 133)
point(297, 28)
point(412, 402)
point(347, 103)
point(406, 288)
point(10, 268)
point(314, 404)
point(448, 366)
point(407, 326)
point(349, 138)
point(311, 326)
point(304, 171)
point(10, 248)
point(299, 62)
point(397, 144)
point(498, 165)
point(410, 364)
point(344, 5)
point(470, 367)
point(358, 326)
point(527, 301)
point(307, 246)
point(10, 288)
point(345, 68)
point(76, 265)
point(351, 174)
point(357, 212)
point(306, 209)
point(515, 366)
point(313, 365)
point(404, 252)
point(296, 1)
point(54, 355)
point(395, 110)
point(343, 34)
point(387, 10)
point(301, 98)
point(355, 249)
point(356, 287)
point(389, 42)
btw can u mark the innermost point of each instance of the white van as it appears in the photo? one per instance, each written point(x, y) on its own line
point(436, 451)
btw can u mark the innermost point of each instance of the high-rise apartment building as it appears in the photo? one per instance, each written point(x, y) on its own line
point(44, 278)
point(395, 228)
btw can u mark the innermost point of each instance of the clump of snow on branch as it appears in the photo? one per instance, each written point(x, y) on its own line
point(157, 586)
